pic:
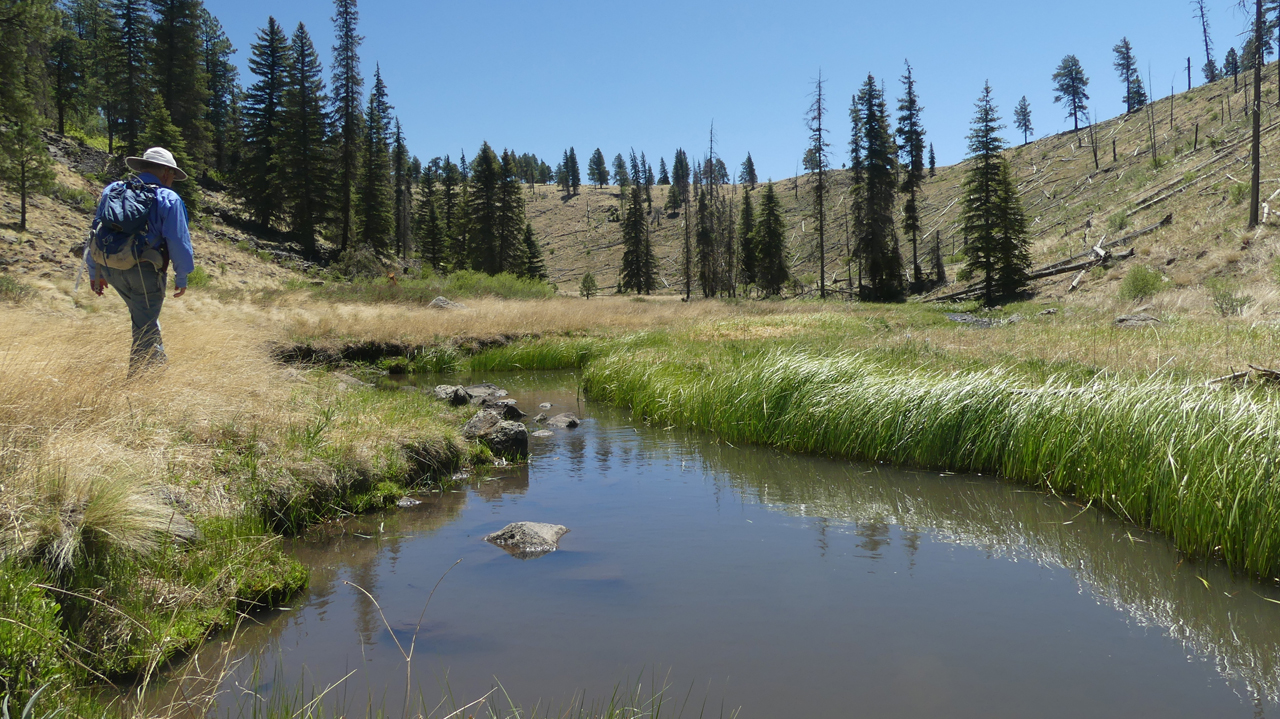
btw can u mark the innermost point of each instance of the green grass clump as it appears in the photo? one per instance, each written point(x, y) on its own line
point(1226, 299)
point(1118, 221)
point(1140, 282)
point(11, 290)
point(198, 278)
point(463, 284)
point(550, 354)
point(1239, 192)
point(1195, 463)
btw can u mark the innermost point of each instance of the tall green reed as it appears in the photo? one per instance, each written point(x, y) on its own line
point(1195, 463)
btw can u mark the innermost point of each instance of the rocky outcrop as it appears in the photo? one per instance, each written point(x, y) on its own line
point(528, 540)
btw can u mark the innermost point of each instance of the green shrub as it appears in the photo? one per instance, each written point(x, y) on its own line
point(31, 640)
point(244, 246)
point(1118, 221)
point(1239, 192)
point(1140, 282)
point(198, 278)
point(588, 287)
point(1226, 300)
point(74, 197)
point(11, 290)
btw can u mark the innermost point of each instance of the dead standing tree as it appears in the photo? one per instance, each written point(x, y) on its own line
point(815, 161)
point(1256, 112)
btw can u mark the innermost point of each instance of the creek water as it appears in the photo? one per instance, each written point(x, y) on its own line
point(749, 579)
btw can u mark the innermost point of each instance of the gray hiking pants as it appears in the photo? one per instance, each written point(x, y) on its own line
point(142, 289)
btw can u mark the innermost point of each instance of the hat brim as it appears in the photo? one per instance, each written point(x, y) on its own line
point(138, 164)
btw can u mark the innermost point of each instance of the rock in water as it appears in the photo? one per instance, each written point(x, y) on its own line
point(540, 417)
point(455, 395)
point(505, 407)
point(406, 502)
point(443, 303)
point(563, 420)
point(545, 405)
point(544, 433)
point(528, 540)
point(479, 392)
point(504, 438)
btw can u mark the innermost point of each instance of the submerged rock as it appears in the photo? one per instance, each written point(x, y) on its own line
point(406, 502)
point(545, 405)
point(503, 437)
point(567, 420)
point(528, 540)
point(444, 303)
point(478, 392)
point(455, 395)
point(543, 433)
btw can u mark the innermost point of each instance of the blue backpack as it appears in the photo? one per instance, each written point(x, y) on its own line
point(119, 238)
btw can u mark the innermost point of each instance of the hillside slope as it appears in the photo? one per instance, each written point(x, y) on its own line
point(1200, 178)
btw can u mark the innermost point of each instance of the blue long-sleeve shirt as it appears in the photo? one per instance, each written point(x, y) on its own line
point(166, 226)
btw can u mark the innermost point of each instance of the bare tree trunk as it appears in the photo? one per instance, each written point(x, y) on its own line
point(1257, 115)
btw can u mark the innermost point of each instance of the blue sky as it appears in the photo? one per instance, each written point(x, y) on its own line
point(539, 76)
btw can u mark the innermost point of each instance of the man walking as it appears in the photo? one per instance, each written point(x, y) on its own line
point(140, 227)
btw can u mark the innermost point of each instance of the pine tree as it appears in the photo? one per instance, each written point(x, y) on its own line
point(304, 151)
point(646, 180)
point(911, 148)
point(705, 243)
point(1022, 118)
point(678, 196)
point(376, 193)
point(403, 192)
point(1210, 68)
point(746, 235)
point(877, 240)
point(1231, 66)
point(535, 268)
point(575, 174)
point(215, 53)
point(597, 169)
point(160, 131)
point(262, 180)
point(427, 218)
point(996, 244)
point(638, 264)
point(747, 176)
point(664, 178)
point(562, 175)
point(347, 92)
point(620, 176)
point(1070, 83)
point(25, 166)
point(99, 29)
point(933, 162)
point(816, 163)
point(132, 85)
point(511, 218)
point(66, 69)
point(179, 76)
point(1135, 96)
point(483, 208)
point(769, 243)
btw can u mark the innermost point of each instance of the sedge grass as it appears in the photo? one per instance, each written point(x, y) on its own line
point(1195, 463)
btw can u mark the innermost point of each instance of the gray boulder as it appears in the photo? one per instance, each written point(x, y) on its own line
point(1138, 320)
point(478, 392)
point(443, 303)
point(545, 405)
point(504, 438)
point(455, 395)
point(566, 420)
point(528, 540)
point(543, 433)
point(540, 417)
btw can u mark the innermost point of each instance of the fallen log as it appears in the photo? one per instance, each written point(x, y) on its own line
point(1233, 377)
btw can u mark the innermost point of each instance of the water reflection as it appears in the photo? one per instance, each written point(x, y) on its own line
point(1233, 621)
point(661, 563)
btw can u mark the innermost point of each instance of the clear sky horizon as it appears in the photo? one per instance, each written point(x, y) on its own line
point(543, 76)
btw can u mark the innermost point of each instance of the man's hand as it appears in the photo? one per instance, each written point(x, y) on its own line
point(98, 286)
point(180, 292)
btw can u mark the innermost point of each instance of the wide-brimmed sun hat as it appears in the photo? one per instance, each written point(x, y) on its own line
point(155, 156)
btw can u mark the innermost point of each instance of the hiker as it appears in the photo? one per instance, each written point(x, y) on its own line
point(139, 228)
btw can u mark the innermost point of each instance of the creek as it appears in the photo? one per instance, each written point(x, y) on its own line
point(744, 577)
